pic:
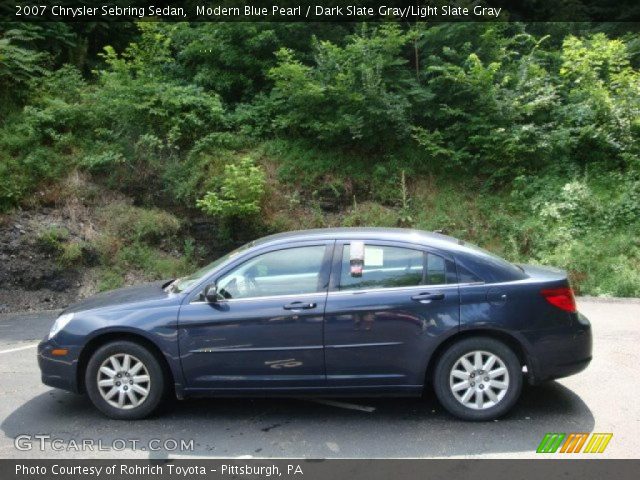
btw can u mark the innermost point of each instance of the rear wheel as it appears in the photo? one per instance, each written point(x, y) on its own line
point(124, 380)
point(478, 379)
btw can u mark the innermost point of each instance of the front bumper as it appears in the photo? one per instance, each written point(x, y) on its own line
point(560, 352)
point(58, 371)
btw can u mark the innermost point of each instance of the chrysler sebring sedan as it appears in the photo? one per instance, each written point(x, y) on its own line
point(340, 312)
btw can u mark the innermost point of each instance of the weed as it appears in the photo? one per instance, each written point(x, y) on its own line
point(51, 240)
point(71, 254)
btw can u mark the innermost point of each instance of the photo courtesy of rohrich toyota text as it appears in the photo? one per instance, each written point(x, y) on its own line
point(319, 239)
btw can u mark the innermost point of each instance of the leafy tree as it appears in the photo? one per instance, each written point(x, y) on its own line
point(356, 95)
point(233, 59)
point(19, 62)
point(602, 100)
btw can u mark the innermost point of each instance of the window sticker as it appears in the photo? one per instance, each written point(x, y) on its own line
point(356, 260)
point(356, 251)
point(373, 257)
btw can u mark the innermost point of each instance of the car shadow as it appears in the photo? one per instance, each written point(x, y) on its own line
point(398, 427)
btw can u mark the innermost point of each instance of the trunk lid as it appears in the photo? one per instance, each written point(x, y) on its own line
point(545, 274)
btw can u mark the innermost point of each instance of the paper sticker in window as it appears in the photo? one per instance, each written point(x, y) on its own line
point(373, 257)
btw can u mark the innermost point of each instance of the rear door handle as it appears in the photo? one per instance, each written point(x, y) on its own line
point(300, 306)
point(427, 297)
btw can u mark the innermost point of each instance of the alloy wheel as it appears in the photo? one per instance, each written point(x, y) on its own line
point(479, 380)
point(124, 381)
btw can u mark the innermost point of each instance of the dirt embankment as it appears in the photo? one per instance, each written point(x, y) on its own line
point(32, 274)
point(77, 237)
point(30, 277)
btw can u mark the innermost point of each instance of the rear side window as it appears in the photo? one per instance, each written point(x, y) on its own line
point(467, 276)
point(389, 267)
point(383, 267)
point(436, 270)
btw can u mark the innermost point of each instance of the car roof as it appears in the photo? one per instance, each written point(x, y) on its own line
point(421, 237)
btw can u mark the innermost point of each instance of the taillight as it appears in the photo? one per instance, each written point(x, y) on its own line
point(561, 297)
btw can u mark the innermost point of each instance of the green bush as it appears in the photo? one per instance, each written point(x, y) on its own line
point(145, 121)
point(188, 179)
point(126, 128)
point(240, 193)
point(606, 264)
point(587, 226)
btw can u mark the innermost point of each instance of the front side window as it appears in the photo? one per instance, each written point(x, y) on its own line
point(181, 284)
point(292, 271)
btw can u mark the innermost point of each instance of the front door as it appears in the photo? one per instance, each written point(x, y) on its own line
point(385, 316)
point(265, 331)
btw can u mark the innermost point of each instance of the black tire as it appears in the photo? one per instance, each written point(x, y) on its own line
point(443, 370)
point(156, 386)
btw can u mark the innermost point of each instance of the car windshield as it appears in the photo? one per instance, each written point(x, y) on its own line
point(183, 283)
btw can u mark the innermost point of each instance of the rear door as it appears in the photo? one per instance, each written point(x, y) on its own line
point(385, 316)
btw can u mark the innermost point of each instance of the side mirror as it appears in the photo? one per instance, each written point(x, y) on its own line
point(211, 293)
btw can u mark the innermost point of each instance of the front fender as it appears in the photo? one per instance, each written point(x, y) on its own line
point(154, 326)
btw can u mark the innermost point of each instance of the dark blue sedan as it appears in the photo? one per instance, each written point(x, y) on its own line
point(343, 312)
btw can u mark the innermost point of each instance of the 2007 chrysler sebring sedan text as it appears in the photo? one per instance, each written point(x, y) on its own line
point(326, 312)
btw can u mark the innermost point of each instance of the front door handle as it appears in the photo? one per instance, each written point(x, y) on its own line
point(300, 306)
point(427, 297)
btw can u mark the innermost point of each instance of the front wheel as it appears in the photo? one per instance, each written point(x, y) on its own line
point(478, 379)
point(124, 380)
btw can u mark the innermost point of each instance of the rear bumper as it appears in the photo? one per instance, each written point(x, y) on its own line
point(560, 352)
point(58, 371)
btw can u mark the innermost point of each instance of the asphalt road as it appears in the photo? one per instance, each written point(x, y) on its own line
point(604, 398)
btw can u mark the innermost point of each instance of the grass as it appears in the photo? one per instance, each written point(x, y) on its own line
point(149, 225)
point(71, 254)
point(109, 279)
point(133, 242)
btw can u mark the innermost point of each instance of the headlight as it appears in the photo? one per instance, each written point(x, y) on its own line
point(59, 324)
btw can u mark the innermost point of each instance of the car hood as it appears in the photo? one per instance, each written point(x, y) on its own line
point(145, 293)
